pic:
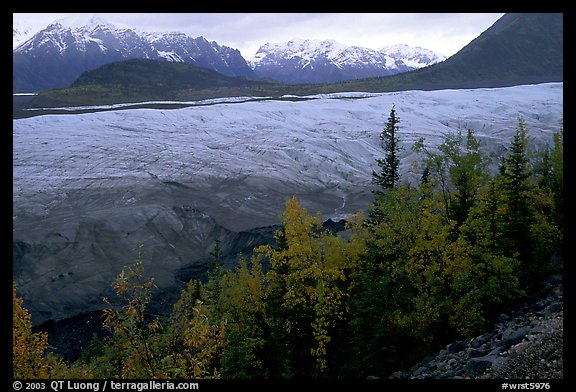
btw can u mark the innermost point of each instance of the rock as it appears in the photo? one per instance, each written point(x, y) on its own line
point(452, 362)
point(476, 366)
point(510, 337)
point(475, 353)
point(399, 375)
point(553, 308)
point(480, 340)
point(421, 370)
point(496, 350)
point(456, 346)
point(504, 318)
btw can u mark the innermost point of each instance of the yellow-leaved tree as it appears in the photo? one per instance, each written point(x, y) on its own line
point(139, 346)
point(308, 276)
point(31, 357)
point(28, 348)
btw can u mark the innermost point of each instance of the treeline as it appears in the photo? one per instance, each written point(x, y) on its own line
point(428, 264)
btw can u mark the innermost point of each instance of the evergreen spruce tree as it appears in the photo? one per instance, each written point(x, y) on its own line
point(557, 169)
point(389, 165)
point(530, 225)
point(516, 186)
point(214, 283)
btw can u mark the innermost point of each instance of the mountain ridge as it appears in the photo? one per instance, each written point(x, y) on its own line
point(327, 61)
point(519, 48)
point(56, 55)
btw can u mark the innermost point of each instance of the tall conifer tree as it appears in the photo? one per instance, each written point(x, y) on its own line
point(389, 165)
point(516, 186)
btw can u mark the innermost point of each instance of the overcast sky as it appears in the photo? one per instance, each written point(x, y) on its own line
point(445, 33)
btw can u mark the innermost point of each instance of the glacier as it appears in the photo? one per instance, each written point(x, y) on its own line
point(88, 187)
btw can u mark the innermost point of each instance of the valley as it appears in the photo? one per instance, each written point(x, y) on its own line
point(87, 187)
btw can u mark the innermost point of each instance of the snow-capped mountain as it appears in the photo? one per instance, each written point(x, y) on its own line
point(325, 61)
point(199, 51)
point(412, 57)
point(58, 54)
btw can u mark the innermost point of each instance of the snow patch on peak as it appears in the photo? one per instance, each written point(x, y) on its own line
point(157, 36)
point(413, 56)
point(20, 34)
point(84, 22)
point(170, 56)
point(304, 49)
point(306, 45)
